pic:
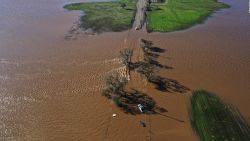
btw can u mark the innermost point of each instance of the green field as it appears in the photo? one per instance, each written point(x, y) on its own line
point(215, 121)
point(180, 14)
point(106, 16)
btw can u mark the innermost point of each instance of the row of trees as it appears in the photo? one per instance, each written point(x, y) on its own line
point(115, 83)
point(147, 66)
point(125, 56)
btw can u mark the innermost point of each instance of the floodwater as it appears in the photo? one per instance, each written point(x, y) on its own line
point(50, 88)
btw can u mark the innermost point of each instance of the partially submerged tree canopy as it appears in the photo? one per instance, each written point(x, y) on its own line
point(126, 56)
point(146, 43)
point(146, 69)
point(116, 83)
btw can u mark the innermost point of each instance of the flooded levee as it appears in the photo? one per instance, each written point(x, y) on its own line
point(50, 88)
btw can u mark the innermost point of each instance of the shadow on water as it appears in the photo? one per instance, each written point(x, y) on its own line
point(157, 49)
point(150, 67)
point(128, 102)
point(167, 84)
point(170, 117)
point(157, 64)
point(161, 83)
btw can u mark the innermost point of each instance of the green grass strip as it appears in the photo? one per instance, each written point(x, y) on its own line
point(180, 14)
point(106, 16)
point(214, 120)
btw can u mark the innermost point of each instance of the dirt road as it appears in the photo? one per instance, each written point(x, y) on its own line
point(140, 14)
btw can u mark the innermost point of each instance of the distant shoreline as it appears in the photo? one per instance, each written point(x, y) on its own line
point(167, 16)
point(174, 15)
point(106, 16)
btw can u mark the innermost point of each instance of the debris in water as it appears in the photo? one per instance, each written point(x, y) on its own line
point(142, 123)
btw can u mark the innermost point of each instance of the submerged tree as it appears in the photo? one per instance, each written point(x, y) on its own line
point(126, 55)
point(146, 69)
point(146, 44)
point(115, 84)
point(146, 47)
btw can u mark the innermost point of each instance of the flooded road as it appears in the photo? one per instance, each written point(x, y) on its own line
point(50, 87)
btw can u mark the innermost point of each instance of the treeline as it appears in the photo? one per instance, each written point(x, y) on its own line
point(148, 67)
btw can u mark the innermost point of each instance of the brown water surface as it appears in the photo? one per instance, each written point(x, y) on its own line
point(50, 87)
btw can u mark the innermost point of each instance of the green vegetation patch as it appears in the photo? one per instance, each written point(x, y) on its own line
point(106, 16)
point(215, 121)
point(180, 14)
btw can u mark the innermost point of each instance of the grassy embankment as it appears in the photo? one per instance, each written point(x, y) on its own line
point(175, 15)
point(106, 16)
point(215, 121)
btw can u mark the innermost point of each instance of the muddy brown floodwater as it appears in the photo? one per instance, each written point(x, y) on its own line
point(50, 88)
